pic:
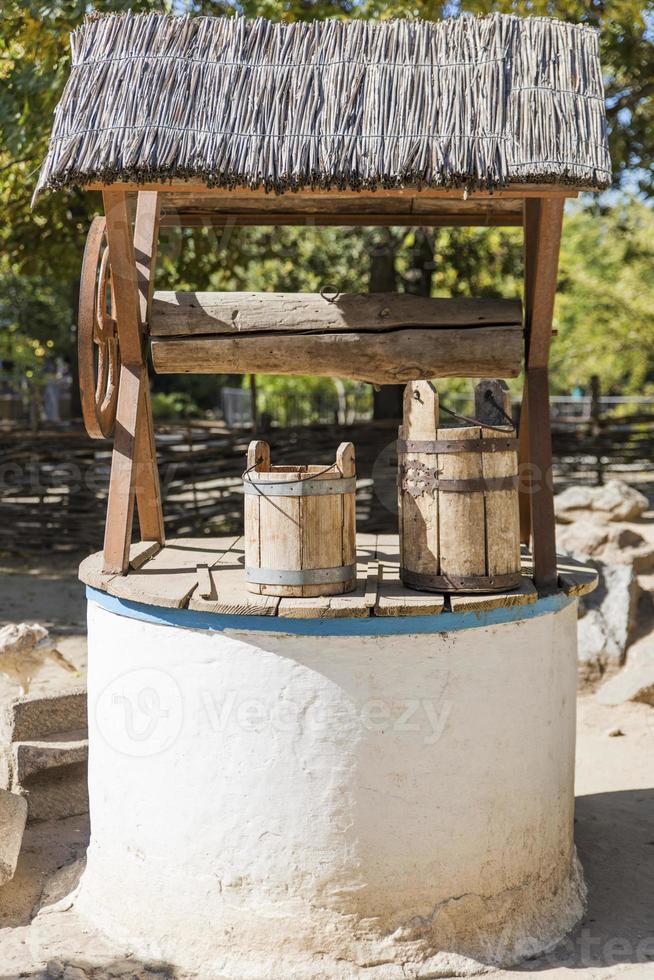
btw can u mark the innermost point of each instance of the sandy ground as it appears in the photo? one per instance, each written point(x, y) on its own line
point(42, 937)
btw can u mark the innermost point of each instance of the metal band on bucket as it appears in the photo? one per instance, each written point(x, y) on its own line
point(460, 583)
point(300, 488)
point(301, 576)
point(448, 446)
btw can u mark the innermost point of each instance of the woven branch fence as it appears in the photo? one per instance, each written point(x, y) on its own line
point(53, 486)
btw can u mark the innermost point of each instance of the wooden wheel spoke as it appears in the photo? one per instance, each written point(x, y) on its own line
point(99, 357)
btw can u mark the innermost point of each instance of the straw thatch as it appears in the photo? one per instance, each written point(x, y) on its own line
point(467, 102)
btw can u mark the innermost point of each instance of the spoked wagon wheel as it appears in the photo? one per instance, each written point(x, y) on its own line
point(97, 341)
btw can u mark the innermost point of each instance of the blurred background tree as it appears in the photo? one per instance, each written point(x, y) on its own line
point(605, 284)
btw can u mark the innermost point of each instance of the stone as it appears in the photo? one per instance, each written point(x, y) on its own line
point(584, 536)
point(625, 537)
point(49, 753)
point(615, 501)
point(608, 615)
point(13, 816)
point(572, 499)
point(624, 503)
point(44, 754)
point(634, 683)
point(615, 733)
point(27, 719)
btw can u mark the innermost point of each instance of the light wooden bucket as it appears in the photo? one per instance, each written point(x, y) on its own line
point(458, 500)
point(300, 529)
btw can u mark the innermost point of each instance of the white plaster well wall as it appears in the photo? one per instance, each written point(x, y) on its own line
point(266, 805)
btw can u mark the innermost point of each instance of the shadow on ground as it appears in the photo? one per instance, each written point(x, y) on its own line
point(82, 969)
point(614, 833)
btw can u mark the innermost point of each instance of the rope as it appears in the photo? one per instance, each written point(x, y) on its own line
point(466, 418)
point(299, 478)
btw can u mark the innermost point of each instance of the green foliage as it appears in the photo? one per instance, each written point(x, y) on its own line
point(605, 304)
point(604, 311)
point(171, 406)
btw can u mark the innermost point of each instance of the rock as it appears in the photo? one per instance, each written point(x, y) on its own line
point(634, 683)
point(615, 733)
point(13, 816)
point(608, 615)
point(44, 754)
point(615, 501)
point(27, 719)
point(573, 499)
point(621, 501)
point(625, 537)
point(586, 537)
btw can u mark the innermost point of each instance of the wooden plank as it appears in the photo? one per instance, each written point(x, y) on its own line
point(461, 515)
point(205, 587)
point(170, 577)
point(524, 470)
point(142, 551)
point(544, 221)
point(91, 569)
point(120, 502)
point(419, 515)
point(123, 275)
point(387, 358)
point(186, 314)
point(522, 596)
point(394, 598)
point(146, 235)
point(575, 578)
point(324, 202)
point(547, 217)
point(351, 605)
point(343, 219)
point(345, 463)
point(258, 460)
point(148, 490)
point(232, 596)
point(502, 512)
point(542, 493)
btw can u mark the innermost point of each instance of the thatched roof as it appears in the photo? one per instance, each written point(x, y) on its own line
point(469, 102)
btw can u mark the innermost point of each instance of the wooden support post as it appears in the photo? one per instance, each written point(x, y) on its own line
point(148, 490)
point(543, 224)
point(133, 465)
point(122, 484)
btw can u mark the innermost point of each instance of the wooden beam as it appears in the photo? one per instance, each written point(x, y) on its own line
point(547, 216)
point(148, 490)
point(123, 275)
point(146, 234)
point(220, 219)
point(543, 224)
point(394, 357)
point(120, 503)
point(185, 314)
point(531, 222)
point(542, 491)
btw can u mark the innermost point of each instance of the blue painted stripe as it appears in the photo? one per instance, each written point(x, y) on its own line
point(367, 626)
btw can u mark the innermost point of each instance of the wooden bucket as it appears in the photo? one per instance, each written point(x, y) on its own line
point(300, 530)
point(458, 497)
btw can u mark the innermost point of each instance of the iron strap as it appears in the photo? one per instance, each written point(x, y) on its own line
point(427, 483)
point(300, 576)
point(460, 583)
point(300, 488)
point(447, 446)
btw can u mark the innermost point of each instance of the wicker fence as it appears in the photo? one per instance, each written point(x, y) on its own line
point(53, 485)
